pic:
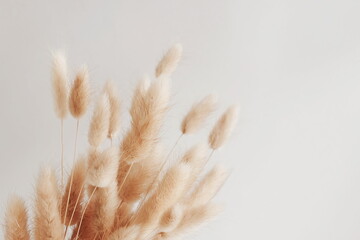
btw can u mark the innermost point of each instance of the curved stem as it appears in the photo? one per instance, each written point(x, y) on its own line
point(72, 175)
point(83, 213)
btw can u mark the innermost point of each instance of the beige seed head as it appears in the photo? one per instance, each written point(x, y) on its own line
point(80, 94)
point(60, 85)
point(197, 115)
point(102, 166)
point(100, 121)
point(171, 218)
point(16, 220)
point(208, 187)
point(223, 128)
point(169, 62)
point(47, 215)
point(114, 104)
point(73, 210)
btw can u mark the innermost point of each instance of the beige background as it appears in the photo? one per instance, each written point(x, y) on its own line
point(293, 66)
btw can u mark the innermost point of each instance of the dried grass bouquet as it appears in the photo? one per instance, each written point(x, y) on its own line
point(125, 190)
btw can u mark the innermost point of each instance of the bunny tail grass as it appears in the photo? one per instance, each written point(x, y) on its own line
point(71, 199)
point(197, 115)
point(171, 218)
point(16, 220)
point(223, 128)
point(80, 94)
point(47, 223)
point(194, 217)
point(114, 102)
point(100, 121)
point(125, 233)
point(169, 62)
point(170, 189)
point(102, 167)
point(60, 85)
point(208, 186)
point(107, 202)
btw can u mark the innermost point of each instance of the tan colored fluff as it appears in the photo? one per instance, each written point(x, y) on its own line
point(107, 202)
point(208, 187)
point(171, 218)
point(197, 115)
point(223, 128)
point(141, 176)
point(123, 215)
point(87, 230)
point(100, 121)
point(194, 217)
point(47, 223)
point(147, 113)
point(76, 195)
point(80, 94)
point(16, 220)
point(60, 85)
point(147, 117)
point(125, 233)
point(169, 62)
point(195, 157)
point(102, 167)
point(170, 189)
point(114, 101)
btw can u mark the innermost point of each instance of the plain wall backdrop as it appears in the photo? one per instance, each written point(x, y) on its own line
point(292, 66)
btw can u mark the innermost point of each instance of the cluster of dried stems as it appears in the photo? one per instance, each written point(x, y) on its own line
point(125, 191)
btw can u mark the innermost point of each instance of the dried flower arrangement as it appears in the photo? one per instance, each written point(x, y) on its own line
point(125, 191)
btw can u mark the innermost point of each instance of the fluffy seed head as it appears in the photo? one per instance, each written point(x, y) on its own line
point(47, 215)
point(16, 226)
point(100, 121)
point(60, 85)
point(73, 211)
point(208, 186)
point(193, 217)
point(114, 104)
point(171, 218)
point(169, 62)
point(197, 115)
point(102, 167)
point(80, 94)
point(125, 233)
point(223, 128)
point(169, 190)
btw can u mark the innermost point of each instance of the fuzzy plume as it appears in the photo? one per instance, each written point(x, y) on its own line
point(148, 109)
point(60, 85)
point(208, 187)
point(87, 230)
point(102, 167)
point(170, 189)
point(107, 202)
point(47, 215)
point(171, 218)
point(123, 215)
point(80, 94)
point(197, 115)
point(169, 62)
point(195, 157)
point(194, 217)
point(114, 104)
point(141, 176)
point(125, 233)
point(72, 208)
point(100, 121)
point(223, 128)
point(16, 220)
